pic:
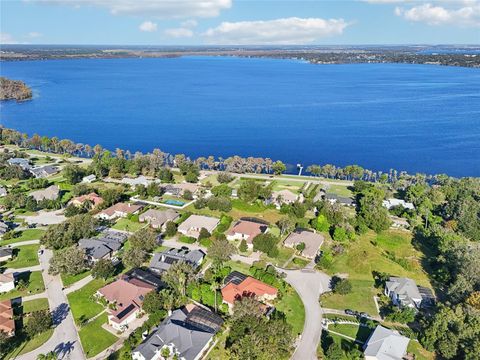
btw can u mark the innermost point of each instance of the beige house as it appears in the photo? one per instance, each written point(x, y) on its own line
point(158, 218)
point(50, 193)
point(119, 210)
point(193, 225)
point(246, 230)
point(7, 282)
point(285, 196)
point(312, 242)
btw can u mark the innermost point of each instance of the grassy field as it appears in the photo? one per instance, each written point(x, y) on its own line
point(420, 353)
point(82, 303)
point(35, 286)
point(360, 333)
point(26, 256)
point(291, 305)
point(94, 338)
point(128, 225)
point(293, 186)
point(29, 345)
point(30, 234)
point(363, 257)
point(34, 305)
point(339, 190)
point(72, 279)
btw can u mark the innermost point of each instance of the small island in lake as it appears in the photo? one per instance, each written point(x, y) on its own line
point(14, 90)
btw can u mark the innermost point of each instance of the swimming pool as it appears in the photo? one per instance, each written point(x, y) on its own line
point(174, 202)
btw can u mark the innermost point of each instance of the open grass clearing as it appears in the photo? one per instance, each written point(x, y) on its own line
point(357, 332)
point(128, 225)
point(339, 190)
point(34, 305)
point(82, 301)
point(292, 306)
point(27, 345)
point(24, 257)
point(94, 338)
point(25, 235)
point(68, 279)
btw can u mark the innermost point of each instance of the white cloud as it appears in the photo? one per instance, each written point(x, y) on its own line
point(148, 26)
point(466, 15)
point(34, 34)
point(152, 8)
point(6, 38)
point(286, 31)
point(178, 32)
point(189, 23)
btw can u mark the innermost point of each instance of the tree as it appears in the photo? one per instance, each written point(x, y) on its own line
point(404, 316)
point(219, 203)
point(266, 243)
point(372, 211)
point(341, 286)
point(73, 173)
point(165, 175)
point(222, 190)
point(52, 355)
point(187, 195)
point(300, 247)
point(221, 250)
point(251, 190)
point(134, 257)
point(152, 302)
point(340, 234)
point(68, 261)
point(278, 167)
point(285, 224)
point(204, 234)
point(111, 196)
point(224, 178)
point(334, 352)
point(191, 177)
point(144, 239)
point(103, 269)
point(322, 223)
point(243, 246)
point(69, 232)
point(170, 229)
point(178, 276)
point(38, 322)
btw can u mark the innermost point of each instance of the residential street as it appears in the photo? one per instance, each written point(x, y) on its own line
point(309, 284)
point(64, 341)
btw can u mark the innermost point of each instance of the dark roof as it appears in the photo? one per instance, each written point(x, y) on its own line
point(163, 260)
point(235, 277)
point(204, 320)
point(340, 199)
point(6, 252)
point(145, 276)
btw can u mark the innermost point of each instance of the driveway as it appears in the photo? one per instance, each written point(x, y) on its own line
point(309, 284)
point(64, 341)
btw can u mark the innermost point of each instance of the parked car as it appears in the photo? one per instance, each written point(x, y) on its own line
point(40, 252)
point(364, 315)
point(350, 312)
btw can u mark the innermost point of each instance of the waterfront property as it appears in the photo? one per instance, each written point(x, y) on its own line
point(186, 334)
point(278, 198)
point(342, 200)
point(392, 202)
point(44, 171)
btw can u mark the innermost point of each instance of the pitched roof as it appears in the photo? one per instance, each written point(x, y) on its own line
point(164, 260)
point(127, 295)
point(249, 228)
point(158, 217)
point(7, 324)
point(126, 208)
point(6, 278)
point(188, 329)
point(198, 222)
point(50, 193)
point(286, 195)
point(94, 198)
point(312, 241)
point(386, 344)
point(250, 285)
point(406, 289)
point(6, 251)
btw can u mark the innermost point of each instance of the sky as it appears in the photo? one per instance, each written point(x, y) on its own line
point(239, 22)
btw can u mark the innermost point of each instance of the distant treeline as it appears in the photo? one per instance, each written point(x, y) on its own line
point(151, 163)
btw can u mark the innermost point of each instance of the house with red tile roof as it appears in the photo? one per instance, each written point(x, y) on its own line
point(125, 297)
point(95, 199)
point(241, 286)
point(119, 210)
point(246, 230)
point(7, 324)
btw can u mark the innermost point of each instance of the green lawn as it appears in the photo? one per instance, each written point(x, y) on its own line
point(362, 258)
point(35, 305)
point(298, 263)
point(35, 286)
point(72, 279)
point(360, 333)
point(212, 179)
point(339, 190)
point(94, 338)
point(30, 234)
point(25, 256)
point(293, 186)
point(29, 345)
point(414, 347)
point(82, 302)
point(291, 305)
point(244, 206)
point(284, 254)
point(128, 225)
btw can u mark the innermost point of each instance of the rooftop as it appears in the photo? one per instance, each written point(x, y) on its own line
point(386, 344)
point(249, 285)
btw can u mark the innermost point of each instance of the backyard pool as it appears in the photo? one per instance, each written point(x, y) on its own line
point(174, 202)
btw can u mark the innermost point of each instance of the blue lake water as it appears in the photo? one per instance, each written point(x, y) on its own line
point(418, 118)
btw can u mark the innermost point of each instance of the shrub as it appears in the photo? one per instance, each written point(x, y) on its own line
point(243, 246)
point(341, 286)
point(187, 239)
point(224, 178)
point(170, 229)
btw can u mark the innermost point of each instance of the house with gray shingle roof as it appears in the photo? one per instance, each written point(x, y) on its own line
point(188, 333)
point(385, 344)
point(164, 260)
point(23, 163)
point(102, 247)
point(158, 218)
point(44, 171)
point(50, 193)
point(403, 292)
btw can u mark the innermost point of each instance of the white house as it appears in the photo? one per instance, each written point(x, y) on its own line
point(403, 292)
point(390, 203)
point(7, 282)
point(89, 179)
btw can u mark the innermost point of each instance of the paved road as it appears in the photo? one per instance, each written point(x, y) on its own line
point(21, 270)
point(309, 285)
point(64, 341)
point(299, 179)
point(79, 284)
